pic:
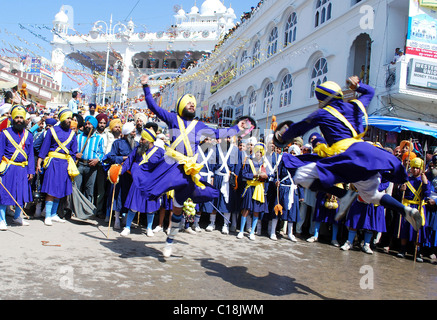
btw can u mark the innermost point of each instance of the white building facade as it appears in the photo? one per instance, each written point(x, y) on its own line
point(120, 53)
point(271, 63)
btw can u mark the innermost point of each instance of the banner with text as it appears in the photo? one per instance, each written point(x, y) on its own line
point(422, 30)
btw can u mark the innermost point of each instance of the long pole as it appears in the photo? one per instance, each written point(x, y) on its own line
point(425, 150)
point(22, 210)
point(107, 60)
point(112, 207)
point(403, 193)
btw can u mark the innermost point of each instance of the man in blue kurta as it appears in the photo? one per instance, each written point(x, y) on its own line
point(17, 166)
point(120, 151)
point(180, 170)
point(345, 158)
point(91, 147)
point(58, 151)
point(140, 162)
point(226, 170)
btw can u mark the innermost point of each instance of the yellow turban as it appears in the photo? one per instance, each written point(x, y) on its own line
point(113, 123)
point(148, 135)
point(64, 114)
point(328, 90)
point(261, 147)
point(183, 101)
point(416, 163)
point(18, 111)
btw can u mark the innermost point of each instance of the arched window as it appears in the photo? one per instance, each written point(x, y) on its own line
point(323, 12)
point(256, 53)
point(318, 75)
point(243, 62)
point(252, 104)
point(273, 42)
point(268, 98)
point(290, 29)
point(286, 91)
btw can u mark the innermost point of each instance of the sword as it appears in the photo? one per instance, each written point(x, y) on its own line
point(219, 212)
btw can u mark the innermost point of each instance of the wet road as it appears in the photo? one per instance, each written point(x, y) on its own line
point(77, 261)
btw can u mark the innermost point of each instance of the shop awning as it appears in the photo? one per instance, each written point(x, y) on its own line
point(398, 125)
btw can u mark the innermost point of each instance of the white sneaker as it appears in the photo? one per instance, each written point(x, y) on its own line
point(225, 229)
point(240, 235)
point(19, 221)
point(3, 226)
point(158, 229)
point(125, 232)
point(210, 228)
point(190, 230)
point(273, 237)
point(335, 243)
point(366, 249)
point(197, 229)
point(347, 246)
point(150, 233)
point(117, 225)
point(292, 237)
point(312, 239)
point(167, 231)
point(252, 236)
point(48, 221)
point(58, 219)
point(167, 250)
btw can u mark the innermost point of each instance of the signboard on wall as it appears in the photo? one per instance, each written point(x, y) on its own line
point(422, 30)
point(422, 74)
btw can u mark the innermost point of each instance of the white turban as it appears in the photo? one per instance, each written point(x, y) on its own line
point(252, 140)
point(35, 120)
point(296, 149)
point(127, 129)
point(5, 108)
point(141, 116)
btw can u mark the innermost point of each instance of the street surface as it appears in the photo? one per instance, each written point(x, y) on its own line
point(77, 261)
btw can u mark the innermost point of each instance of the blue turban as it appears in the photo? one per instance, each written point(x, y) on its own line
point(93, 121)
point(51, 121)
point(318, 139)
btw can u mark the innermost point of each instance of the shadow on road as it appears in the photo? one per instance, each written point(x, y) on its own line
point(271, 284)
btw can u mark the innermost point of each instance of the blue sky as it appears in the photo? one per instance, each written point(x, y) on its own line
point(36, 19)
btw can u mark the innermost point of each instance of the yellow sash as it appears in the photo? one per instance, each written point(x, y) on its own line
point(258, 193)
point(191, 167)
point(72, 168)
point(324, 151)
point(170, 194)
point(146, 157)
point(416, 200)
point(5, 163)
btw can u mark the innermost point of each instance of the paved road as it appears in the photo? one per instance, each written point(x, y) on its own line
point(79, 262)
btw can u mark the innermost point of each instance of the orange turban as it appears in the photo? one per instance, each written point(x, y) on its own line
point(406, 142)
point(405, 156)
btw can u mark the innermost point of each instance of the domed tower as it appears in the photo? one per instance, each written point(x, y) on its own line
point(194, 13)
point(212, 8)
point(60, 24)
point(181, 16)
